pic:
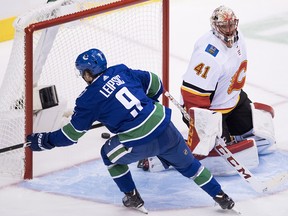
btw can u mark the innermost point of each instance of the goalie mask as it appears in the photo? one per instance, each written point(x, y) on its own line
point(224, 25)
point(90, 64)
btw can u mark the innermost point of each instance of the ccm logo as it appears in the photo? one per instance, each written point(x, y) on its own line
point(233, 162)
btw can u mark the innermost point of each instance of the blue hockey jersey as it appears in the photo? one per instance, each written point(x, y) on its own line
point(125, 101)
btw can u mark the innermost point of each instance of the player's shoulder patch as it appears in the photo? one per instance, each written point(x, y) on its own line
point(212, 50)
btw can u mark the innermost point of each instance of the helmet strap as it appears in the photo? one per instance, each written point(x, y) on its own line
point(227, 41)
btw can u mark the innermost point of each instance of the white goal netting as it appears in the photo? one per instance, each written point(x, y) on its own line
point(131, 35)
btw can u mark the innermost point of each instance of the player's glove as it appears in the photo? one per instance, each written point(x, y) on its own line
point(39, 141)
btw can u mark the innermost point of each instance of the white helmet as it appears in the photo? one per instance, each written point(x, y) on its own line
point(224, 25)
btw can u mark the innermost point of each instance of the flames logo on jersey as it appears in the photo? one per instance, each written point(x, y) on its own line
point(238, 80)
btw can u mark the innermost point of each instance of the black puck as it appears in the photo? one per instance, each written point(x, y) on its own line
point(105, 135)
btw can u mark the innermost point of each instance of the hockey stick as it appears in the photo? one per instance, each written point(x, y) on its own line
point(26, 144)
point(243, 172)
point(17, 146)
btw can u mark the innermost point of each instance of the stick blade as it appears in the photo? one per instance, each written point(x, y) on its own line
point(275, 182)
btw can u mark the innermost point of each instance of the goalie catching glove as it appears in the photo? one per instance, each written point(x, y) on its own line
point(39, 141)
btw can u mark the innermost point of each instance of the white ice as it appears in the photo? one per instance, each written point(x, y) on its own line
point(265, 26)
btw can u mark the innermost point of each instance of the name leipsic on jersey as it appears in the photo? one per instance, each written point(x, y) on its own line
point(125, 101)
point(215, 74)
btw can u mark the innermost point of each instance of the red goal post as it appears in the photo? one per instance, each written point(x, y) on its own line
point(133, 32)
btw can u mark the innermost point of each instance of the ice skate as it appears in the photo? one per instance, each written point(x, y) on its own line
point(224, 200)
point(133, 200)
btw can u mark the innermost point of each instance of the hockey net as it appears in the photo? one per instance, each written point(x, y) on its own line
point(46, 44)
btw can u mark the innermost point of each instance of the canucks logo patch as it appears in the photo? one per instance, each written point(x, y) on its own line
point(212, 50)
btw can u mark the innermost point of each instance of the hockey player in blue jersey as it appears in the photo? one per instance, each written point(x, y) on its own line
point(126, 102)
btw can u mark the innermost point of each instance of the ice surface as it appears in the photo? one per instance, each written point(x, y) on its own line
point(73, 181)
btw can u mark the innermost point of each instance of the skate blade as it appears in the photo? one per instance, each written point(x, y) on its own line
point(233, 210)
point(236, 211)
point(142, 209)
point(275, 182)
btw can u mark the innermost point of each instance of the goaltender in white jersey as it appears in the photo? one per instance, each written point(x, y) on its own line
point(216, 72)
point(212, 93)
point(214, 82)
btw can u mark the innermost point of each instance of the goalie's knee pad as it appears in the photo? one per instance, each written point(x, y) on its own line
point(263, 128)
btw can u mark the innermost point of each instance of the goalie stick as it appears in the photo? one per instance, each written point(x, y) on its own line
point(242, 171)
point(26, 144)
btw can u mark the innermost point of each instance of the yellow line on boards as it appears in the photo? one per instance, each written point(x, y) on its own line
point(7, 30)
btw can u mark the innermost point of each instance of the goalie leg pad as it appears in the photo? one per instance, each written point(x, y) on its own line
point(263, 128)
point(264, 146)
point(245, 151)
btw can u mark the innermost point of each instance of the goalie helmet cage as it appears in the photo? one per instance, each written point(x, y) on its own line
point(48, 40)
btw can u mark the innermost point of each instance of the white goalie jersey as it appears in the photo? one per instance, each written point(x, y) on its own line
point(215, 71)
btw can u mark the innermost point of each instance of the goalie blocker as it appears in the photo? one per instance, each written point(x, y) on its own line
point(206, 125)
point(44, 97)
